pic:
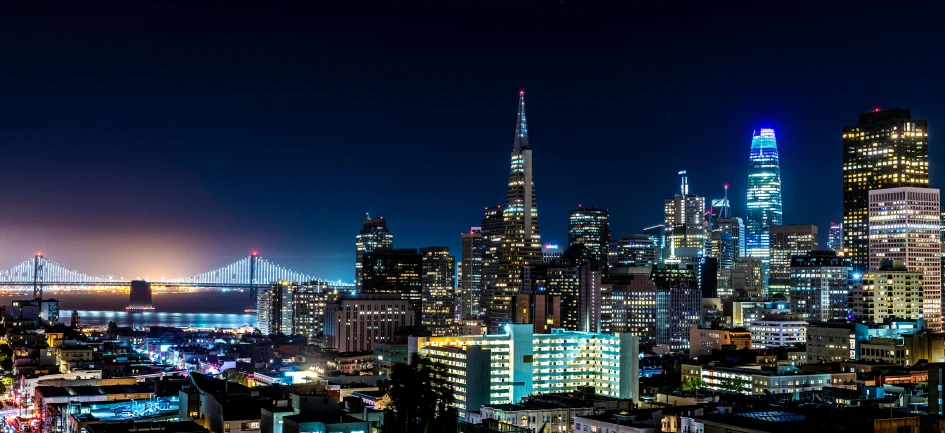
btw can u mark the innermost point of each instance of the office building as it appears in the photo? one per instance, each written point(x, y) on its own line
point(590, 298)
point(395, 272)
point(835, 238)
point(907, 349)
point(309, 309)
point(905, 224)
point(470, 273)
point(507, 367)
point(439, 268)
point(776, 332)
point(540, 310)
point(832, 341)
point(766, 382)
point(735, 228)
point(590, 227)
point(291, 308)
point(721, 247)
point(374, 236)
point(747, 279)
point(633, 300)
point(820, 286)
point(684, 219)
point(702, 341)
point(890, 292)
point(638, 250)
point(658, 234)
point(764, 195)
point(886, 149)
point(565, 282)
point(356, 324)
point(550, 253)
point(788, 241)
point(521, 239)
point(493, 226)
point(678, 304)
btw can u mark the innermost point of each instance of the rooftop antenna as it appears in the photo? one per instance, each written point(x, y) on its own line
point(684, 187)
point(725, 205)
point(367, 215)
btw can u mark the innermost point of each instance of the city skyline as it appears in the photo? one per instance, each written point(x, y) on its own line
point(150, 164)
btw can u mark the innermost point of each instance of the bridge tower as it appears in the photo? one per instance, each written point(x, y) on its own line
point(38, 276)
point(253, 288)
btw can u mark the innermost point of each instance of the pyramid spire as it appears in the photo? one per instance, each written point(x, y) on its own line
point(521, 130)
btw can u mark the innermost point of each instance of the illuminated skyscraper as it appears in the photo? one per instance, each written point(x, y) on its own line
point(835, 238)
point(820, 286)
point(550, 253)
point(734, 227)
point(764, 194)
point(905, 224)
point(678, 304)
point(658, 234)
point(637, 250)
point(685, 225)
point(470, 273)
point(565, 281)
point(438, 305)
point(374, 236)
point(521, 239)
point(591, 228)
point(886, 149)
point(396, 272)
point(493, 227)
point(788, 241)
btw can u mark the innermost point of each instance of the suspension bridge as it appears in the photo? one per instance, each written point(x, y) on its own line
point(249, 272)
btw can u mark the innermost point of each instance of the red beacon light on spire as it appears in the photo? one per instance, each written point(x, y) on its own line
point(521, 92)
point(876, 110)
point(255, 254)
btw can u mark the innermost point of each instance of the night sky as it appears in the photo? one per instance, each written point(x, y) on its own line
point(146, 139)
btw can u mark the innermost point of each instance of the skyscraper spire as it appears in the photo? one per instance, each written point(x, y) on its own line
point(521, 129)
point(521, 240)
point(764, 196)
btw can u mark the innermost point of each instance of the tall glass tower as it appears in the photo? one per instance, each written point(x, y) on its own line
point(764, 196)
point(521, 241)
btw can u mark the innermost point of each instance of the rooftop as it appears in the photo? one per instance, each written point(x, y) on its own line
point(769, 421)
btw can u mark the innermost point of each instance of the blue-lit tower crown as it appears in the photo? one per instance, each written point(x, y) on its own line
point(764, 194)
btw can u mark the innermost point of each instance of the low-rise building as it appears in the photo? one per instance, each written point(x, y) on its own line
point(536, 415)
point(386, 355)
point(702, 340)
point(754, 380)
point(617, 422)
point(906, 349)
point(773, 333)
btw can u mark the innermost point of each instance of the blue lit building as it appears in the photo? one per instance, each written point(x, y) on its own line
point(507, 367)
point(764, 195)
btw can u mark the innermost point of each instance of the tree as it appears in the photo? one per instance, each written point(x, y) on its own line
point(420, 399)
point(692, 384)
point(234, 375)
point(733, 384)
point(6, 357)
